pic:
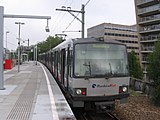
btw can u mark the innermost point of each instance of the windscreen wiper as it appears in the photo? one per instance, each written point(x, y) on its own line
point(89, 67)
point(110, 67)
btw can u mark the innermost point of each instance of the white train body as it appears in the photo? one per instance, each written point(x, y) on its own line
point(93, 73)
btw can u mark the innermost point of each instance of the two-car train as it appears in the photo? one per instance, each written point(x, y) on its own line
point(93, 73)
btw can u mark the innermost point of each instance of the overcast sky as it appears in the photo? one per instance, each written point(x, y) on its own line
point(96, 12)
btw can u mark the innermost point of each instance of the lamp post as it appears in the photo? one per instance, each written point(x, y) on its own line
point(1, 48)
point(19, 37)
point(6, 38)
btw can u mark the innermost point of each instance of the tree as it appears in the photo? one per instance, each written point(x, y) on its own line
point(154, 72)
point(50, 43)
point(134, 66)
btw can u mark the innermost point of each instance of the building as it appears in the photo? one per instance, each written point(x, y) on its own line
point(148, 25)
point(123, 33)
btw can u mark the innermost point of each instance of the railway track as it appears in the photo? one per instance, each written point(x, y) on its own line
point(92, 115)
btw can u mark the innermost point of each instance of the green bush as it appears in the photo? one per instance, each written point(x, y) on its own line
point(154, 72)
point(134, 66)
point(156, 96)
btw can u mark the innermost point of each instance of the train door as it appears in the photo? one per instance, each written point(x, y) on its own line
point(59, 66)
point(63, 54)
point(66, 74)
point(56, 65)
point(47, 59)
point(51, 63)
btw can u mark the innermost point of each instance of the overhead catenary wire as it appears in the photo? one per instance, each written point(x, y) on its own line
point(75, 17)
point(61, 18)
point(71, 22)
point(87, 3)
point(11, 43)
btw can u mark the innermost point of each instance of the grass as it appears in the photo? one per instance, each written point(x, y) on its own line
point(135, 93)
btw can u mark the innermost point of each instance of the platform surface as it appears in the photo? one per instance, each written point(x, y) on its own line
point(32, 94)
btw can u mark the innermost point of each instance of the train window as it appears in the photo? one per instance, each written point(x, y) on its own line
point(100, 59)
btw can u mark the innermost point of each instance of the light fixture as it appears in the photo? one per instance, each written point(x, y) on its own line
point(47, 27)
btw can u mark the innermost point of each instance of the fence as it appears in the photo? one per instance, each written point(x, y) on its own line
point(139, 85)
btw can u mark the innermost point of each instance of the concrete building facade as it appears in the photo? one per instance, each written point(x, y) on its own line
point(123, 33)
point(148, 26)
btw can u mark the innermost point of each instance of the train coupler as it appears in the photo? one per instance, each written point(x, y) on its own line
point(103, 107)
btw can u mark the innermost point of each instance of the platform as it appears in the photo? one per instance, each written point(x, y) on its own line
point(32, 94)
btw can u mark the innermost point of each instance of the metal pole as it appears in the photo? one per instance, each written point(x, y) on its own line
point(19, 37)
point(83, 11)
point(6, 38)
point(28, 42)
point(28, 49)
point(27, 16)
point(19, 49)
point(36, 54)
point(1, 48)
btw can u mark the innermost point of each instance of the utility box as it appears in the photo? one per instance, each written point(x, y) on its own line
point(8, 64)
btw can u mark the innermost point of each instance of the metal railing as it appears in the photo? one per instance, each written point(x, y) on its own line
point(147, 48)
point(149, 9)
point(144, 58)
point(150, 37)
point(141, 85)
point(152, 17)
point(150, 27)
point(143, 1)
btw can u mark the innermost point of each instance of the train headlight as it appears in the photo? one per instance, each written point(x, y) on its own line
point(124, 89)
point(78, 91)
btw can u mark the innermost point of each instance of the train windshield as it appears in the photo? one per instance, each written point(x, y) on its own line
point(99, 60)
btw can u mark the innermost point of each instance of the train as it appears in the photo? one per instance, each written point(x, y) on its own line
point(93, 73)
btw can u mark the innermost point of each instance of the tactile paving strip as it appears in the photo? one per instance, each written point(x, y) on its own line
point(23, 106)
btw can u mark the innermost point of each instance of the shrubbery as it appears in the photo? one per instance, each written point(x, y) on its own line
point(156, 96)
point(154, 72)
point(134, 66)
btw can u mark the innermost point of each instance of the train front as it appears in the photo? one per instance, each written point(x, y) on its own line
point(101, 75)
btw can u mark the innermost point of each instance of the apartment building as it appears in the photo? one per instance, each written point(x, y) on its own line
point(123, 33)
point(148, 26)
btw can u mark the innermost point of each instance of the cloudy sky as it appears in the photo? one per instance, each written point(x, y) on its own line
point(96, 12)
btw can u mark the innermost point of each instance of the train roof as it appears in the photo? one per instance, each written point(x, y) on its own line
point(70, 42)
point(97, 40)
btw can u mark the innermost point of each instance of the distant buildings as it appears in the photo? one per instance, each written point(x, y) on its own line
point(123, 33)
point(148, 24)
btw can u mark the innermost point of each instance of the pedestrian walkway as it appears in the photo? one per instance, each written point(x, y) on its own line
point(32, 94)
